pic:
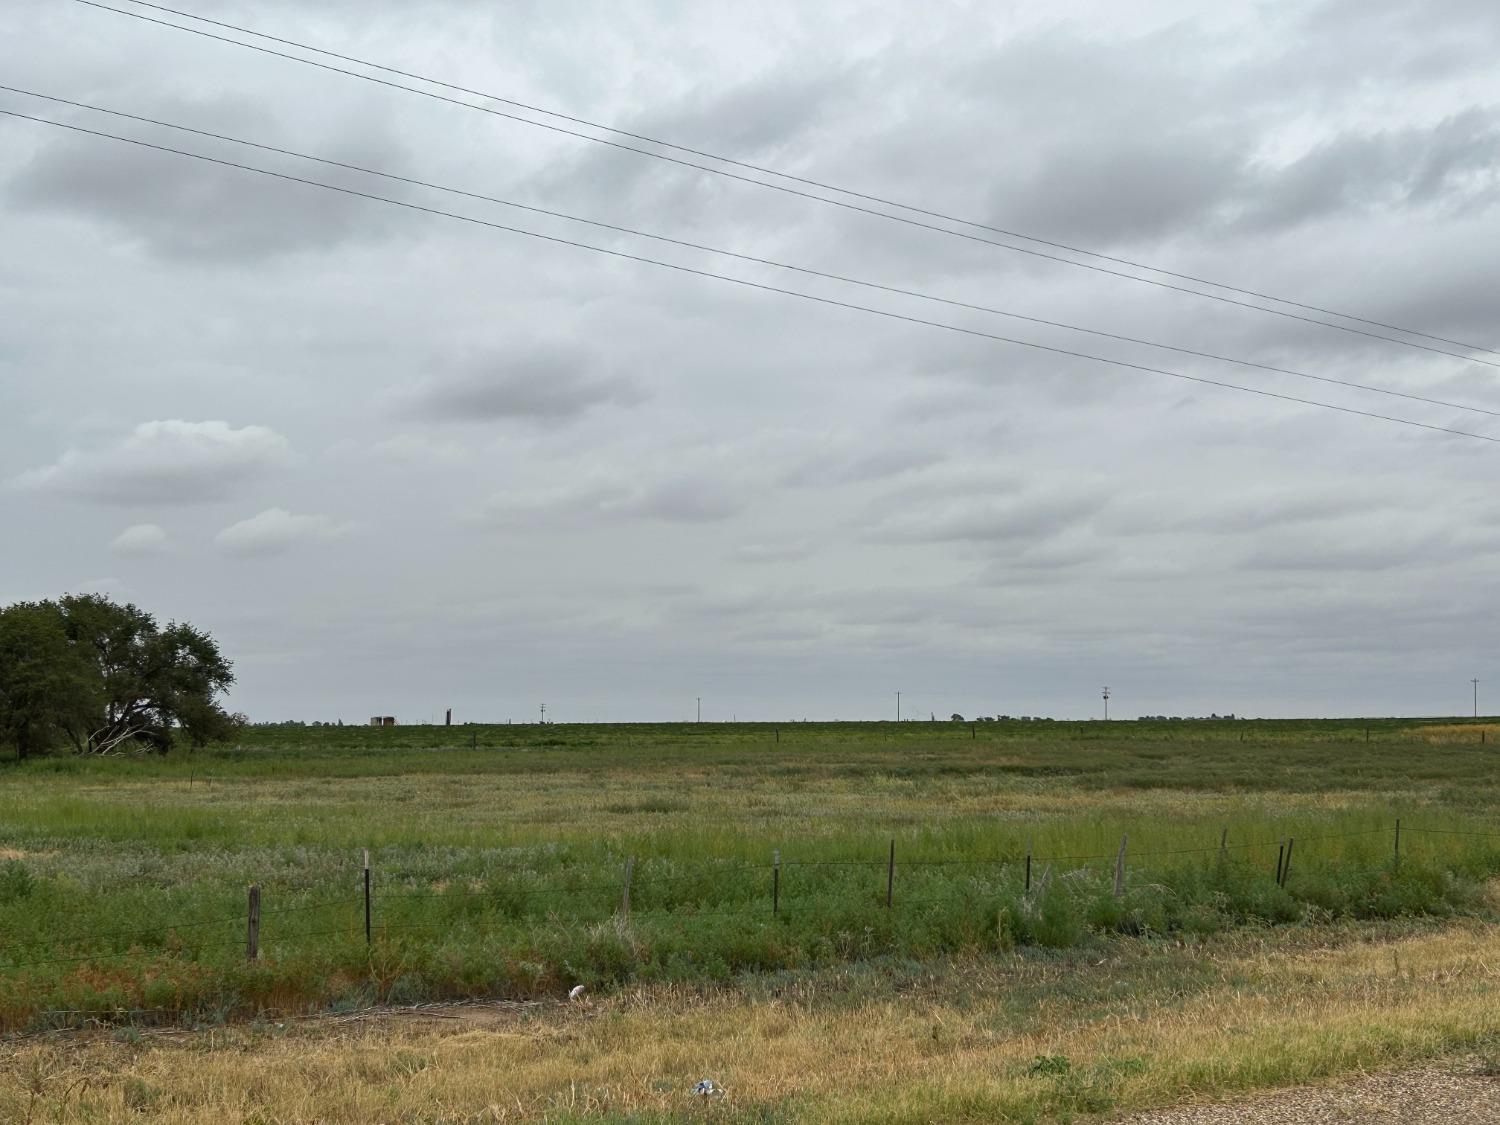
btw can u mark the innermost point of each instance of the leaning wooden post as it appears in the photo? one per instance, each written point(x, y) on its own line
point(252, 925)
point(629, 871)
point(1120, 868)
point(890, 877)
point(1028, 867)
point(1398, 843)
point(1286, 868)
point(776, 882)
point(1280, 854)
point(367, 896)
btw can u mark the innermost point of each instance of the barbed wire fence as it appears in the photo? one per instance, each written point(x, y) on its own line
point(1032, 871)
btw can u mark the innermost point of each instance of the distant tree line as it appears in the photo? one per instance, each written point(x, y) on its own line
point(83, 673)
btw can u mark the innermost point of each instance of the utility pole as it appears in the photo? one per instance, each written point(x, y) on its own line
point(1106, 704)
point(700, 708)
point(544, 714)
point(1475, 682)
point(898, 706)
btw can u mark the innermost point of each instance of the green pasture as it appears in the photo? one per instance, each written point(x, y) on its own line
point(499, 852)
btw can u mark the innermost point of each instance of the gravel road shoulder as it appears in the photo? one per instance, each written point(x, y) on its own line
point(1426, 1096)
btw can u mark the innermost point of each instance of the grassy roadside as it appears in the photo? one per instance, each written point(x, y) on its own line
point(1019, 1037)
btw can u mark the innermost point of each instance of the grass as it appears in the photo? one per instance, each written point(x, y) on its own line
point(499, 852)
point(1021, 1037)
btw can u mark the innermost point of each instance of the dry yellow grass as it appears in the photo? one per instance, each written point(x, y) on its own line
point(1145, 1025)
point(1435, 733)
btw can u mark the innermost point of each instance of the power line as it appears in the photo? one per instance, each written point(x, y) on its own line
point(757, 285)
point(770, 171)
point(805, 270)
point(791, 190)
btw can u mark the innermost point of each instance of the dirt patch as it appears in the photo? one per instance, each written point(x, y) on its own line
point(468, 1013)
point(1427, 1096)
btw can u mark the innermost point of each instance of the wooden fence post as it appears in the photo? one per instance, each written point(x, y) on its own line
point(629, 871)
point(1028, 866)
point(776, 882)
point(252, 925)
point(890, 877)
point(1120, 868)
point(1280, 854)
point(367, 896)
point(1398, 843)
point(1286, 868)
point(1224, 844)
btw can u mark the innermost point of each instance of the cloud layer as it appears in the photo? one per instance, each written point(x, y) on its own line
point(527, 472)
point(141, 539)
point(538, 384)
point(275, 531)
point(164, 462)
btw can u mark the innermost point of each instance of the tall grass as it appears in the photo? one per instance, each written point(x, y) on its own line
point(498, 866)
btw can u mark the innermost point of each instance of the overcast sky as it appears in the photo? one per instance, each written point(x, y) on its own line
point(397, 463)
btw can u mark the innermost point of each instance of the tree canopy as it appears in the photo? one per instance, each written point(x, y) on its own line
point(87, 673)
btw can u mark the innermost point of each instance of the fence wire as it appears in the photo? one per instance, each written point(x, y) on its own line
point(642, 884)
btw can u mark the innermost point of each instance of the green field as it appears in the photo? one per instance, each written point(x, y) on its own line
point(499, 853)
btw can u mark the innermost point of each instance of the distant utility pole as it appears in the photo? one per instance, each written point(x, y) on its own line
point(1475, 682)
point(700, 708)
point(1106, 704)
point(544, 714)
point(898, 706)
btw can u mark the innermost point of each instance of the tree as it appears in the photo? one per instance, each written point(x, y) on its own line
point(155, 681)
point(46, 684)
point(120, 680)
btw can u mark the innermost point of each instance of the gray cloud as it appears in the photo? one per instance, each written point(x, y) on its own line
point(772, 552)
point(859, 466)
point(141, 539)
point(761, 118)
point(756, 118)
point(1452, 164)
point(1031, 517)
point(538, 384)
point(275, 531)
point(674, 500)
point(163, 462)
point(1372, 546)
point(1125, 187)
point(1408, 25)
point(1251, 510)
point(187, 209)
